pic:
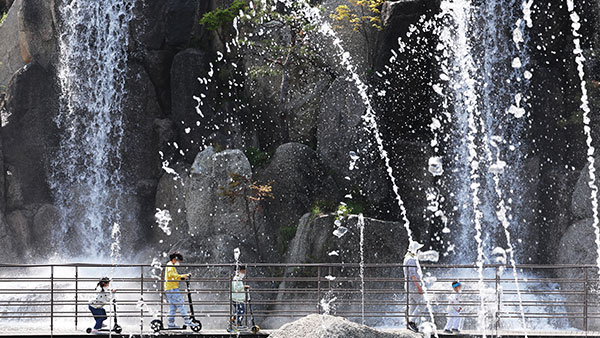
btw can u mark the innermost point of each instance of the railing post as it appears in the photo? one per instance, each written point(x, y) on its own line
point(407, 300)
point(52, 299)
point(585, 300)
point(162, 293)
point(231, 318)
point(142, 298)
point(319, 290)
point(76, 293)
point(499, 299)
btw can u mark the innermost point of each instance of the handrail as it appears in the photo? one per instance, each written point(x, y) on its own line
point(60, 293)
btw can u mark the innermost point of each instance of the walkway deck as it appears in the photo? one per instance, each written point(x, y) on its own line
point(266, 333)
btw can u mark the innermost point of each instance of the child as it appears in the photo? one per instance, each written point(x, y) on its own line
point(174, 296)
point(454, 309)
point(238, 296)
point(96, 305)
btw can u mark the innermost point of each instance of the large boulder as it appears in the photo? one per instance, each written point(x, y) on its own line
point(384, 242)
point(20, 227)
point(578, 247)
point(10, 53)
point(298, 179)
point(46, 220)
point(581, 201)
point(36, 32)
point(317, 326)
point(29, 134)
point(397, 16)
point(170, 197)
point(187, 66)
point(315, 242)
point(219, 223)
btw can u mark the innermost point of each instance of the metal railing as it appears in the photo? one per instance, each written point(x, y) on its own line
point(558, 297)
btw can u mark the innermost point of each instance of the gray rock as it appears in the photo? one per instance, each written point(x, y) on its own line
point(45, 222)
point(396, 17)
point(340, 131)
point(299, 179)
point(170, 195)
point(384, 242)
point(158, 66)
point(14, 193)
point(218, 224)
point(21, 230)
point(10, 53)
point(36, 32)
point(581, 201)
point(187, 66)
point(317, 326)
point(29, 135)
point(180, 18)
point(578, 246)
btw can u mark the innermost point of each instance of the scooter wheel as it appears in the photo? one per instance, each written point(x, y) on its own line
point(88, 330)
point(255, 329)
point(156, 325)
point(196, 325)
point(118, 329)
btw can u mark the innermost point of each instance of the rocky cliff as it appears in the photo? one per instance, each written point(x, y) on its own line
point(177, 159)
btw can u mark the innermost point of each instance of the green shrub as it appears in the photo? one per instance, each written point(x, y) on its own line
point(286, 234)
point(214, 20)
point(257, 157)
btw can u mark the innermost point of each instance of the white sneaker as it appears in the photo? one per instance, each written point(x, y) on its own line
point(94, 331)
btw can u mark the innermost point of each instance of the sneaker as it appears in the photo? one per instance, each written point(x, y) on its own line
point(413, 327)
point(448, 331)
point(94, 331)
point(456, 330)
point(172, 326)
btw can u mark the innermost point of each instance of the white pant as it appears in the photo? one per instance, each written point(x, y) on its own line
point(417, 306)
point(454, 321)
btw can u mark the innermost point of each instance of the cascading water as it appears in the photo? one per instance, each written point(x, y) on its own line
point(86, 178)
point(585, 106)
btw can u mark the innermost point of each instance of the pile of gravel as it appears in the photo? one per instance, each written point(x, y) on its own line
point(324, 326)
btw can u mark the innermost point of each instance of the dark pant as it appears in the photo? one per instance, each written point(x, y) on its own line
point(99, 315)
point(239, 309)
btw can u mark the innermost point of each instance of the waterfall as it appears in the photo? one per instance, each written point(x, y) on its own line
point(86, 178)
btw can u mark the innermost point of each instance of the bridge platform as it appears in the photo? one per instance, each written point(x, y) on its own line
point(266, 333)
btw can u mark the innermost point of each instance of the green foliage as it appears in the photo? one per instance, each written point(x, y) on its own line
point(221, 17)
point(3, 18)
point(256, 157)
point(349, 208)
point(321, 207)
point(263, 71)
point(286, 234)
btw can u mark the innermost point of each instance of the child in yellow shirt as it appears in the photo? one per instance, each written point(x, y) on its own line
point(172, 292)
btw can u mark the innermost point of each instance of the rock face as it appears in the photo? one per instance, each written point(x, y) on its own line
point(29, 136)
point(396, 17)
point(299, 179)
point(315, 242)
point(578, 246)
point(215, 223)
point(384, 242)
point(36, 32)
point(581, 202)
point(317, 326)
point(10, 53)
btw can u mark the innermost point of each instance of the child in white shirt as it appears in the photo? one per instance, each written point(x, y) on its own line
point(96, 305)
point(454, 320)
